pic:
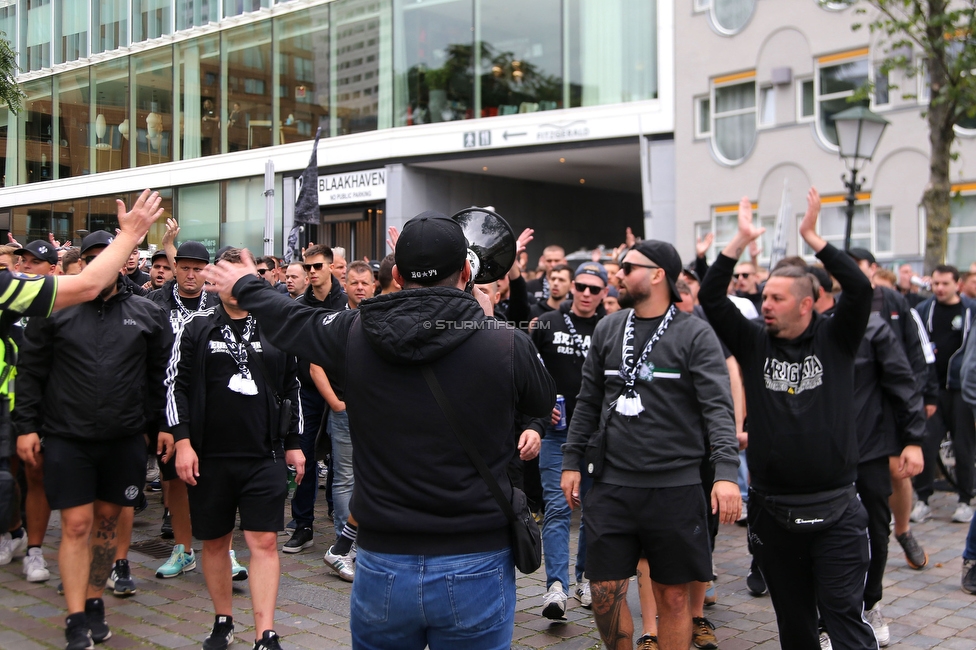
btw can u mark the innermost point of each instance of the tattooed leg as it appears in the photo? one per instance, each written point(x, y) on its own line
point(74, 557)
point(612, 614)
point(103, 545)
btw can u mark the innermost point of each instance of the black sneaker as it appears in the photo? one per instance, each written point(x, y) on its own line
point(120, 580)
point(222, 634)
point(77, 634)
point(95, 611)
point(300, 540)
point(269, 641)
point(755, 582)
point(969, 576)
point(166, 531)
point(143, 502)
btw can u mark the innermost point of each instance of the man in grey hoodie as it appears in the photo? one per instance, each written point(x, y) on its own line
point(654, 401)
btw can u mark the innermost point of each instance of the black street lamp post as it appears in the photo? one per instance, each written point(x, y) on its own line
point(858, 133)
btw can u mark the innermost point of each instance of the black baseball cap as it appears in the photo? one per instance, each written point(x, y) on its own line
point(192, 250)
point(664, 255)
point(822, 277)
point(42, 250)
point(96, 239)
point(862, 254)
point(431, 247)
point(159, 253)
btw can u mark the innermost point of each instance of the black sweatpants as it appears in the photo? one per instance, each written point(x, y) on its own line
point(809, 571)
point(874, 488)
point(955, 416)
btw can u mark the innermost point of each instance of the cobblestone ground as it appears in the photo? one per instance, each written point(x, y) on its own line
point(926, 608)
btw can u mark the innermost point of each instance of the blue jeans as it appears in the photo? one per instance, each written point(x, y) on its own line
point(441, 601)
point(303, 503)
point(555, 525)
point(338, 427)
point(970, 552)
point(743, 476)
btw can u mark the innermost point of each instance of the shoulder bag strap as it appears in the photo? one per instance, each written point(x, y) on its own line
point(467, 443)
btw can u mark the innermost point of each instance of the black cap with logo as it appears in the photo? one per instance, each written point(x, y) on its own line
point(664, 255)
point(431, 247)
point(95, 240)
point(42, 250)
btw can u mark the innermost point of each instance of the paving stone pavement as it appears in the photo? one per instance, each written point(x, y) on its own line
point(926, 609)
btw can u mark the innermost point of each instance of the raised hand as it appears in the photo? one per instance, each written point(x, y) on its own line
point(172, 230)
point(630, 239)
point(702, 244)
point(391, 240)
point(808, 227)
point(12, 241)
point(523, 240)
point(746, 233)
point(146, 211)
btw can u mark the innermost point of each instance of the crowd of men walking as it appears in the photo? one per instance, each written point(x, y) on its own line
point(808, 403)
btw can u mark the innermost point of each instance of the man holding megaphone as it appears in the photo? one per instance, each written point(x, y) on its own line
point(439, 530)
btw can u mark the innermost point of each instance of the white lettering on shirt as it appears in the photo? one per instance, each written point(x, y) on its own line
point(793, 378)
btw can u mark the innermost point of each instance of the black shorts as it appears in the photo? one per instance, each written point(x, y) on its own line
point(257, 487)
point(167, 470)
point(667, 526)
point(78, 472)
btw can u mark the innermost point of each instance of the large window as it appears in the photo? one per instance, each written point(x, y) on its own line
point(110, 19)
point(71, 30)
point(36, 138)
point(35, 34)
point(962, 232)
point(198, 73)
point(246, 57)
point(243, 222)
point(198, 211)
point(302, 55)
point(8, 147)
point(832, 226)
point(836, 85)
point(110, 85)
point(734, 120)
point(151, 19)
point(153, 76)
point(361, 62)
point(71, 90)
point(194, 13)
point(433, 63)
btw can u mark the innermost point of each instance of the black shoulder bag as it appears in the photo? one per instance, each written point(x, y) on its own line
point(526, 537)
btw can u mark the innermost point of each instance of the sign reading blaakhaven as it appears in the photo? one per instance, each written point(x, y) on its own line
point(352, 187)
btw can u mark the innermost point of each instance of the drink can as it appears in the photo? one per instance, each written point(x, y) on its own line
point(561, 405)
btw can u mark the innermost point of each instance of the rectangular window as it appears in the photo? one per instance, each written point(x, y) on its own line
point(767, 106)
point(924, 80)
point(766, 239)
point(881, 87)
point(246, 58)
point(805, 100)
point(198, 76)
point(734, 120)
point(110, 89)
point(71, 26)
point(151, 19)
point(35, 34)
point(962, 233)
point(882, 234)
point(837, 83)
point(195, 13)
point(198, 211)
point(302, 51)
point(703, 117)
point(833, 223)
point(702, 228)
point(153, 76)
point(110, 19)
point(725, 223)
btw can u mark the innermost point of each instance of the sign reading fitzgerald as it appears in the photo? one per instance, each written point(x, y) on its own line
point(352, 187)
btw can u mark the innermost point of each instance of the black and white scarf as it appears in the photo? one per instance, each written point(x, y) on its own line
point(184, 312)
point(581, 350)
point(629, 402)
point(241, 382)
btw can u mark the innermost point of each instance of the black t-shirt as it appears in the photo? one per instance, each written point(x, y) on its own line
point(236, 424)
point(192, 304)
point(946, 335)
point(562, 353)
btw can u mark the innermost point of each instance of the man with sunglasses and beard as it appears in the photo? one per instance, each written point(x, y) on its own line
point(563, 340)
point(655, 400)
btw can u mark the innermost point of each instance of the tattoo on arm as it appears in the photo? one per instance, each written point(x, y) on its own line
point(612, 614)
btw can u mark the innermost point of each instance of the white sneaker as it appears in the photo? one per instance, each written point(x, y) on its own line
point(963, 514)
point(152, 469)
point(9, 547)
point(35, 567)
point(341, 564)
point(920, 512)
point(825, 641)
point(583, 593)
point(877, 621)
point(554, 602)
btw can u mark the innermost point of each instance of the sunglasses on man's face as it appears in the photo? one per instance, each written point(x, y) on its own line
point(628, 267)
point(263, 271)
point(88, 258)
point(317, 266)
point(744, 276)
point(582, 287)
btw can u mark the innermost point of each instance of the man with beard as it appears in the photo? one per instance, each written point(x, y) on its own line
point(654, 402)
point(806, 524)
point(563, 340)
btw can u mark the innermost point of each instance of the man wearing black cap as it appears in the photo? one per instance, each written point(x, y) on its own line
point(181, 297)
point(563, 340)
point(807, 528)
point(160, 271)
point(69, 375)
point(38, 257)
point(427, 521)
point(655, 401)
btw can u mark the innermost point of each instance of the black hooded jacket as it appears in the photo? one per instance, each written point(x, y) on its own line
point(94, 371)
point(335, 300)
point(417, 492)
